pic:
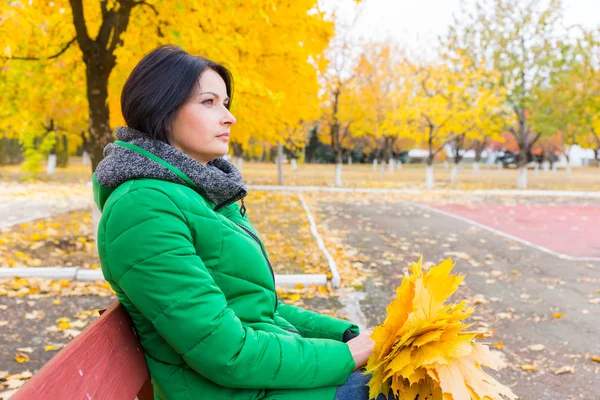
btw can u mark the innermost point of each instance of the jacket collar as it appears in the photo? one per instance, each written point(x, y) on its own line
point(136, 156)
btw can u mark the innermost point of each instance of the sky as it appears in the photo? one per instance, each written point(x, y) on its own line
point(417, 23)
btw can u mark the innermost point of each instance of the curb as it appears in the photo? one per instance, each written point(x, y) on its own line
point(335, 275)
point(525, 193)
point(74, 273)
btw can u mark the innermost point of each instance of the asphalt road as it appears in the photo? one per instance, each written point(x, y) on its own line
point(519, 288)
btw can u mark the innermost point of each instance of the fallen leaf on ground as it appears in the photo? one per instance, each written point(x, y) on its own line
point(595, 358)
point(564, 370)
point(537, 347)
point(528, 367)
point(26, 349)
point(557, 315)
point(20, 357)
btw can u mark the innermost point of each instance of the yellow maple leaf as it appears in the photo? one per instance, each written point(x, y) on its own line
point(423, 349)
point(20, 357)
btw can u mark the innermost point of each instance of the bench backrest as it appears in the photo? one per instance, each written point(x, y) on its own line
point(104, 362)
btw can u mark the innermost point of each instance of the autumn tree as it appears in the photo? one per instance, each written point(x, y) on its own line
point(522, 41)
point(384, 106)
point(439, 109)
point(266, 44)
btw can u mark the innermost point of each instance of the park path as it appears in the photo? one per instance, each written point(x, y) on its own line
point(22, 202)
point(517, 288)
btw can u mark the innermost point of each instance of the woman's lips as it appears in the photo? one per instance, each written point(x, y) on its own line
point(224, 136)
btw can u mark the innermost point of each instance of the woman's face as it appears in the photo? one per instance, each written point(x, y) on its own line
point(201, 126)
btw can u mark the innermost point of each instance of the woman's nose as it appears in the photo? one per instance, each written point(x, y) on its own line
point(228, 118)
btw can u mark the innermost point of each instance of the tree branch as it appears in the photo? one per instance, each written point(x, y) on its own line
point(65, 47)
point(81, 33)
point(143, 3)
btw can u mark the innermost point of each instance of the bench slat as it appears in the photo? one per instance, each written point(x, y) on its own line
point(104, 362)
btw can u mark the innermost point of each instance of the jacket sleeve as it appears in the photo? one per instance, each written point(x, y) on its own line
point(314, 325)
point(151, 257)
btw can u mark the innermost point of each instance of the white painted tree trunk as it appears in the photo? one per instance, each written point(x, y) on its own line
point(522, 178)
point(446, 164)
point(429, 181)
point(279, 163)
point(85, 158)
point(476, 168)
point(392, 165)
point(399, 164)
point(546, 166)
point(554, 168)
point(536, 169)
point(338, 174)
point(294, 164)
point(349, 159)
point(375, 165)
point(51, 166)
point(454, 173)
point(238, 162)
point(569, 169)
point(383, 168)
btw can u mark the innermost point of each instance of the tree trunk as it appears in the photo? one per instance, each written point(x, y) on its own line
point(99, 58)
point(383, 165)
point(429, 180)
point(279, 163)
point(51, 165)
point(536, 169)
point(597, 152)
point(338, 167)
point(349, 159)
point(85, 158)
point(522, 178)
point(454, 173)
point(375, 164)
point(392, 165)
point(238, 162)
point(238, 154)
point(294, 164)
point(476, 168)
point(97, 93)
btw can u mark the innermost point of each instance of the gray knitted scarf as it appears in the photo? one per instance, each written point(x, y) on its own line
point(219, 181)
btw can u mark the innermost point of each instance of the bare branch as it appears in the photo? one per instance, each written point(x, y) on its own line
point(143, 3)
point(64, 48)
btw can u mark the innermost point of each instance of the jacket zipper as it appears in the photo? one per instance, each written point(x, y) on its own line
point(253, 236)
point(291, 330)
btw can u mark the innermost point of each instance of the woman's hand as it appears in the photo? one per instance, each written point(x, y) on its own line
point(361, 347)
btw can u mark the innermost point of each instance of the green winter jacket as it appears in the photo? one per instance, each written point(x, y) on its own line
point(194, 276)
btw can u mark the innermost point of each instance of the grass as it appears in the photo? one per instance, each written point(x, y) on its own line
point(362, 175)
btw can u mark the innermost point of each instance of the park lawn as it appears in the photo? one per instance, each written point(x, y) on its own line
point(410, 176)
point(67, 240)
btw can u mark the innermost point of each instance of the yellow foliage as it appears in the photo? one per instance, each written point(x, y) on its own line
point(422, 348)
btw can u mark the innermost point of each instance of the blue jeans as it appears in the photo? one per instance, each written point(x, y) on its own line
point(356, 388)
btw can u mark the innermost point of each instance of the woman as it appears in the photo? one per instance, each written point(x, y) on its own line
point(187, 264)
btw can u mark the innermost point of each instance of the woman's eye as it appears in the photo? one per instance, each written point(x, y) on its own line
point(208, 101)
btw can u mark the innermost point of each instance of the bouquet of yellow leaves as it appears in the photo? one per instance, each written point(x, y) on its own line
point(422, 348)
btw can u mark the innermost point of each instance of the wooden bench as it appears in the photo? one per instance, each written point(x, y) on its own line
point(104, 362)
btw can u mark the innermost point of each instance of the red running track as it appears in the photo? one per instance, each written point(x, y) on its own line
point(573, 230)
